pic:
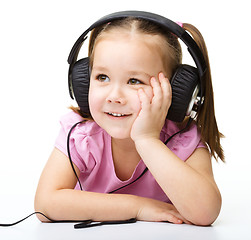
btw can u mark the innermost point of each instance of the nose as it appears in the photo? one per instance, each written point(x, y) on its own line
point(116, 95)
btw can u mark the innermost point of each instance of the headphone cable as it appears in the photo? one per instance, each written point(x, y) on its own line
point(86, 223)
point(182, 130)
point(69, 153)
point(143, 173)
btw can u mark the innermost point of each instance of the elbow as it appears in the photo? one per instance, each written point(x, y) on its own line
point(41, 206)
point(207, 215)
point(48, 206)
point(205, 220)
point(41, 217)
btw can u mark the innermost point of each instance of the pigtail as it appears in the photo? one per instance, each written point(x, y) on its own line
point(206, 120)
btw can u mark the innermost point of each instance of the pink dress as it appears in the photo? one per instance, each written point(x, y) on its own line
point(91, 152)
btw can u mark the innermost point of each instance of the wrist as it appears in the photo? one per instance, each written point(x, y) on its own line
point(137, 203)
point(145, 136)
point(147, 141)
point(140, 203)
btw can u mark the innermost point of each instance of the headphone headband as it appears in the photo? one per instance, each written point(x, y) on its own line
point(155, 18)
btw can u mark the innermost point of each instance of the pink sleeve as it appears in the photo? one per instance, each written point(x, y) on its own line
point(183, 144)
point(78, 140)
point(201, 144)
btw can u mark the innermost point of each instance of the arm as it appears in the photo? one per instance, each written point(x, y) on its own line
point(189, 185)
point(58, 200)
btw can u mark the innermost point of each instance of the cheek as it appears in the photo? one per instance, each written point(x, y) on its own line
point(135, 103)
point(94, 102)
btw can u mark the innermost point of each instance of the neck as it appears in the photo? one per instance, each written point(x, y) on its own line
point(125, 157)
point(126, 145)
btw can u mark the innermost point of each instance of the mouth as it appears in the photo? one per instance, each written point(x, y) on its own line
point(117, 115)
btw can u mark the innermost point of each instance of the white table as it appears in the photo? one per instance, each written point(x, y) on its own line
point(233, 223)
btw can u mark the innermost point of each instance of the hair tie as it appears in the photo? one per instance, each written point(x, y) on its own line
point(180, 23)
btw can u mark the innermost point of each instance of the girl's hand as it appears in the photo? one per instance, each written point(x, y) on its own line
point(153, 111)
point(157, 211)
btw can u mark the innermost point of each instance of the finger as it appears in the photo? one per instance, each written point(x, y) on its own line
point(173, 219)
point(182, 219)
point(166, 90)
point(144, 99)
point(157, 93)
point(187, 222)
point(179, 216)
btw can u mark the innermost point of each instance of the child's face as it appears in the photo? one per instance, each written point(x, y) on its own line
point(121, 65)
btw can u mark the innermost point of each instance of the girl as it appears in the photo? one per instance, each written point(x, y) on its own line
point(131, 61)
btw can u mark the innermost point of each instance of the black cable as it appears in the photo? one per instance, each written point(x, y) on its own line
point(131, 182)
point(69, 153)
point(53, 221)
point(182, 130)
point(87, 223)
point(145, 170)
point(12, 224)
point(70, 159)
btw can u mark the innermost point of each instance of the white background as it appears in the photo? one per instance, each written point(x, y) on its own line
point(35, 40)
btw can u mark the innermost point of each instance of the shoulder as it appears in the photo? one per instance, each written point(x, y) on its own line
point(184, 143)
point(88, 128)
point(87, 140)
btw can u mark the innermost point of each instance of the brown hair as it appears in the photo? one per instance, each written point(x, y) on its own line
point(206, 121)
point(137, 26)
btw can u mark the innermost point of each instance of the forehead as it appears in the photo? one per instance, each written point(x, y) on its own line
point(123, 52)
point(137, 45)
point(155, 43)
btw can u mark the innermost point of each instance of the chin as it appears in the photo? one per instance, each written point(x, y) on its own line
point(116, 128)
point(119, 133)
point(120, 136)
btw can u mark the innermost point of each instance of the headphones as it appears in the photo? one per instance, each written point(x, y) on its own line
point(187, 82)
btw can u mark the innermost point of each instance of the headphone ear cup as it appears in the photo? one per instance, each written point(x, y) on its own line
point(81, 83)
point(183, 83)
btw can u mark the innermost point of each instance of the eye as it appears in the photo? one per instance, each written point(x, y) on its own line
point(134, 81)
point(102, 78)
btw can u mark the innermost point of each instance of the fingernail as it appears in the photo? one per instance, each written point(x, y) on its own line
point(161, 75)
point(140, 90)
point(153, 79)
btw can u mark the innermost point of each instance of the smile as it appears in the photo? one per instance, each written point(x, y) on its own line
point(117, 114)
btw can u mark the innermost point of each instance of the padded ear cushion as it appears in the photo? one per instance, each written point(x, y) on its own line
point(183, 83)
point(80, 83)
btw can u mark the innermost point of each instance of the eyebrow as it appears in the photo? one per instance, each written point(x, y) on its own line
point(99, 68)
point(131, 72)
point(139, 73)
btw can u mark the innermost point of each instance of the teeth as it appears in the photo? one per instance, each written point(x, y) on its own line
point(116, 114)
